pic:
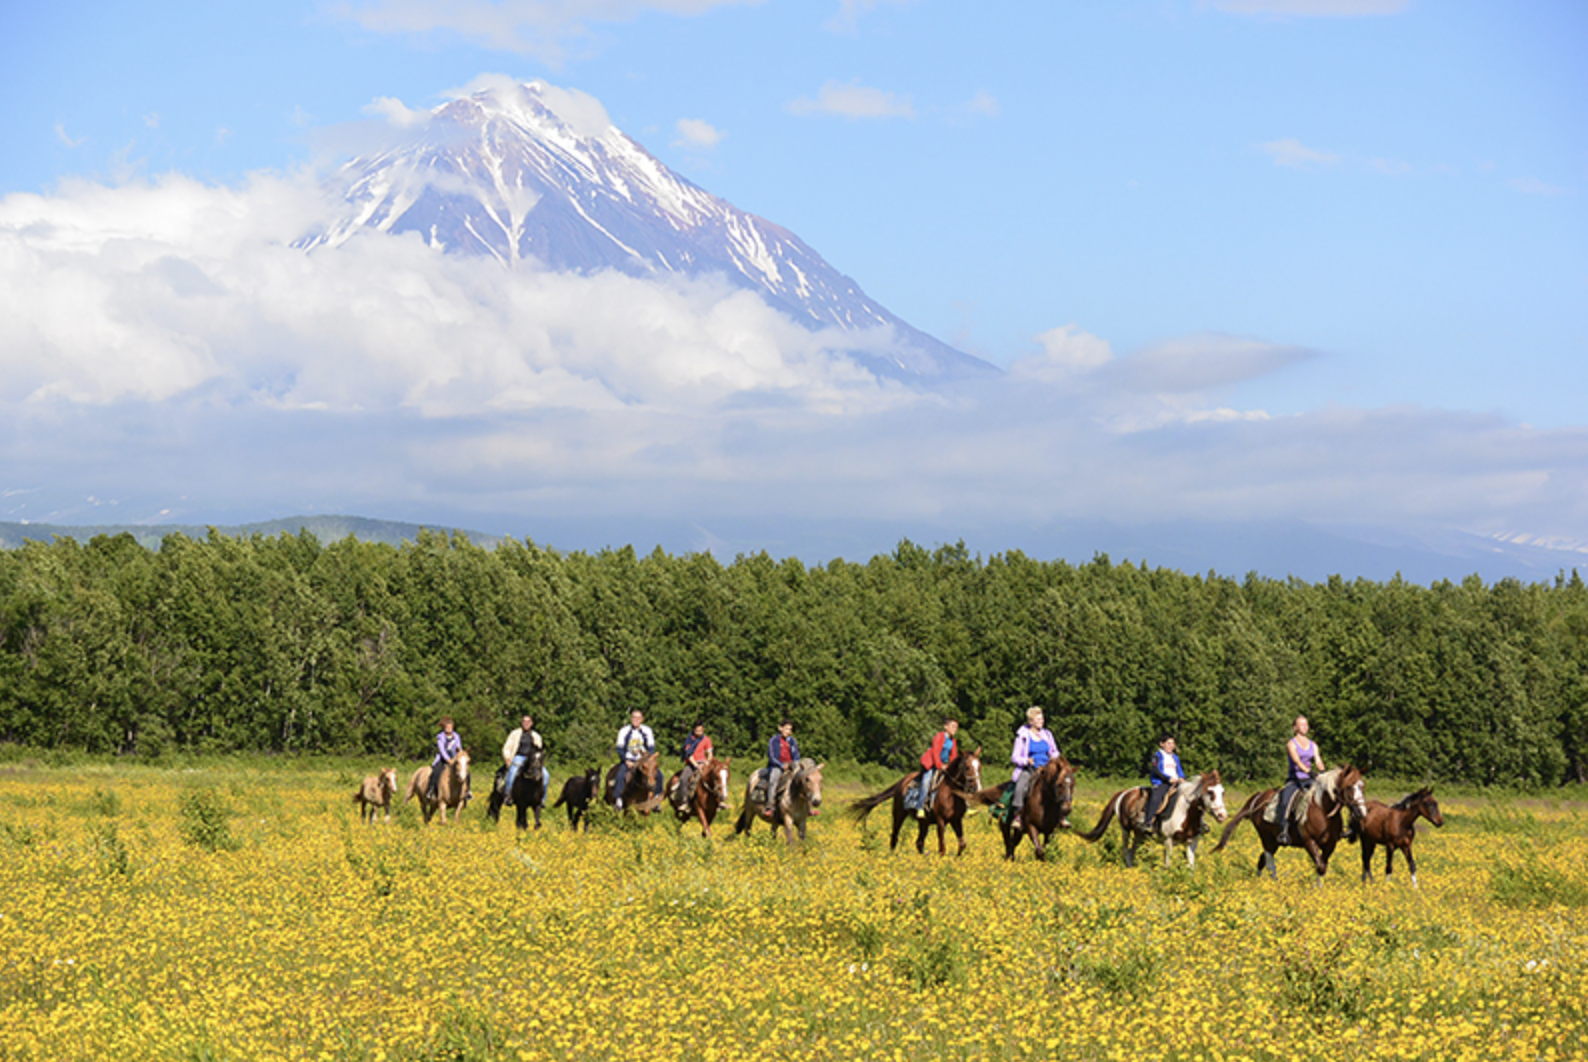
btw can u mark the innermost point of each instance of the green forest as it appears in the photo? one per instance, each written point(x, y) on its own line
point(290, 645)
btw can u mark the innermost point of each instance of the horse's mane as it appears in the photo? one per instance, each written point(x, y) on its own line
point(1412, 798)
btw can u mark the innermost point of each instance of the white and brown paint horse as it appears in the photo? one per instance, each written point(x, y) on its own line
point(957, 787)
point(710, 795)
point(374, 795)
point(1320, 828)
point(799, 797)
point(452, 789)
point(1183, 821)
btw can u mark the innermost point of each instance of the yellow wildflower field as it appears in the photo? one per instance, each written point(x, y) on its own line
point(205, 915)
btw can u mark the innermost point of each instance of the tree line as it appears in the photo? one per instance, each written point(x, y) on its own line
point(286, 644)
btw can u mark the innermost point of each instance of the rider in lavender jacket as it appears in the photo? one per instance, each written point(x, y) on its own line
point(1034, 747)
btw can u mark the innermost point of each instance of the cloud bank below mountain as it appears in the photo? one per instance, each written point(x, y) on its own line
point(168, 349)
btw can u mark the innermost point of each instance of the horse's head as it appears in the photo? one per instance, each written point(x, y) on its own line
point(592, 779)
point(1423, 803)
point(1063, 784)
point(1213, 796)
point(972, 771)
point(718, 769)
point(460, 767)
point(1350, 785)
point(388, 781)
point(809, 779)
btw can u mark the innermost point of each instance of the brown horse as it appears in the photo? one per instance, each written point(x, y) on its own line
point(1320, 828)
point(1048, 804)
point(710, 795)
point(577, 792)
point(799, 797)
point(642, 789)
point(960, 783)
point(1395, 828)
point(1183, 820)
point(452, 789)
point(374, 795)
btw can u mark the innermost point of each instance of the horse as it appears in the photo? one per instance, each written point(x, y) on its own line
point(1395, 828)
point(1048, 804)
point(799, 797)
point(577, 792)
point(529, 790)
point(1320, 829)
point(451, 790)
point(960, 783)
point(711, 794)
point(642, 790)
point(375, 794)
point(1183, 820)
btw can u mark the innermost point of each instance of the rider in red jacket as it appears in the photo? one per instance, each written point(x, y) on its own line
point(936, 759)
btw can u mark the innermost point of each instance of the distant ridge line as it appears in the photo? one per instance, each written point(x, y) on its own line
point(325, 528)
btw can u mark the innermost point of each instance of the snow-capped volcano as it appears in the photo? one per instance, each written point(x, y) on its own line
point(531, 171)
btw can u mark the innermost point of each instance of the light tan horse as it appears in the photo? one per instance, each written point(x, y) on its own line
point(799, 796)
point(451, 789)
point(375, 795)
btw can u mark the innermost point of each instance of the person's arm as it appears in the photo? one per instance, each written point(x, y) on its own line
point(1317, 758)
point(1020, 756)
point(510, 746)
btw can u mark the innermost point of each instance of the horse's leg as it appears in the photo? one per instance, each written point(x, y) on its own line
point(1191, 854)
point(898, 821)
point(942, 837)
point(1411, 864)
point(1367, 857)
point(958, 825)
point(1389, 859)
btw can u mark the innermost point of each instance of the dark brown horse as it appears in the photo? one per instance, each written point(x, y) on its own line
point(1184, 821)
point(1394, 827)
point(1320, 829)
point(577, 792)
point(1048, 804)
point(529, 790)
point(710, 795)
point(960, 783)
point(642, 789)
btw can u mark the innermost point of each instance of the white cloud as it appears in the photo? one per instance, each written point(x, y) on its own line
point(853, 101)
point(152, 120)
point(163, 339)
point(1311, 8)
point(1534, 186)
point(982, 105)
point(396, 113)
point(847, 18)
point(539, 28)
point(1292, 153)
point(61, 135)
point(695, 133)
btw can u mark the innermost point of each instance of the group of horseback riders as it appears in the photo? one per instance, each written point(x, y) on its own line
point(1034, 747)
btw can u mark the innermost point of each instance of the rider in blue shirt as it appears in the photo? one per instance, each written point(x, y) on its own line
point(1163, 771)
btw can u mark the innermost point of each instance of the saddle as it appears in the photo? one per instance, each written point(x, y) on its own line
point(1164, 812)
point(912, 793)
point(1298, 808)
point(758, 786)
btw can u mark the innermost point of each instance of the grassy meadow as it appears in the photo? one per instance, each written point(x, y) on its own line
point(242, 912)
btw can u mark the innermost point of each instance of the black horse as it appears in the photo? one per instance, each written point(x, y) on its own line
point(577, 792)
point(529, 791)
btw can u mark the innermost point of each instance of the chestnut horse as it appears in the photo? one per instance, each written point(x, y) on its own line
point(710, 795)
point(1048, 804)
point(1184, 820)
point(799, 797)
point(451, 790)
point(1395, 828)
point(642, 789)
point(375, 795)
point(960, 783)
point(1320, 828)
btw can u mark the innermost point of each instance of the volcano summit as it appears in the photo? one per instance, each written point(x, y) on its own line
point(534, 172)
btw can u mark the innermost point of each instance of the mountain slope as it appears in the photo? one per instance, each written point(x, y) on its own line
point(530, 171)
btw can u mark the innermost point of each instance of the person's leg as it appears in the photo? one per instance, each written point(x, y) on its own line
point(545, 786)
point(1286, 795)
point(620, 782)
point(925, 792)
point(1154, 801)
point(435, 779)
point(1022, 787)
point(773, 774)
point(512, 776)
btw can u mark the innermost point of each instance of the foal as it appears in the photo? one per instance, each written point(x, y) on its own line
point(1395, 828)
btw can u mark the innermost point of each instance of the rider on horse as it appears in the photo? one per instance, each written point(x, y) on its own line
point(523, 741)
point(933, 760)
point(697, 753)
point(782, 752)
point(1305, 761)
point(635, 742)
point(1034, 747)
point(1163, 772)
point(448, 745)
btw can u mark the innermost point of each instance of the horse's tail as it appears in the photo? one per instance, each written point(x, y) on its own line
point(993, 794)
point(1253, 805)
point(1109, 810)
point(862, 807)
point(562, 798)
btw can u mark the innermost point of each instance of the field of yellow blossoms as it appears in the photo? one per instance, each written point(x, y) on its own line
point(246, 914)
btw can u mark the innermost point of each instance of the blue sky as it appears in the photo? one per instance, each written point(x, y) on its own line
point(1394, 192)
